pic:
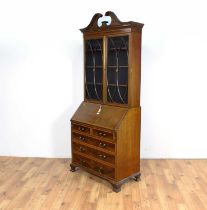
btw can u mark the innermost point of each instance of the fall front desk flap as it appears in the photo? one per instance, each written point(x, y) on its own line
point(98, 115)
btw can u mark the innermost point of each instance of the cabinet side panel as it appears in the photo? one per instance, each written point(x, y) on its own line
point(135, 69)
point(128, 145)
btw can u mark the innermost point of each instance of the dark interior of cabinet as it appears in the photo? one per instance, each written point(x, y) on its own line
point(117, 70)
point(94, 69)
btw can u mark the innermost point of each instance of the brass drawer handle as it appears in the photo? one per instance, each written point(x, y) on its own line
point(82, 149)
point(102, 156)
point(81, 128)
point(103, 145)
point(82, 138)
point(100, 170)
point(102, 134)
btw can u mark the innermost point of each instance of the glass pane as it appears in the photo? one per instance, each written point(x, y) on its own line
point(117, 70)
point(92, 92)
point(93, 69)
point(114, 94)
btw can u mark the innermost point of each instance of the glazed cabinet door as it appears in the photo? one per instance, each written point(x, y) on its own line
point(117, 69)
point(94, 69)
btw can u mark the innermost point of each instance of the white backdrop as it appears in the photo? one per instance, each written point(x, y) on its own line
point(41, 74)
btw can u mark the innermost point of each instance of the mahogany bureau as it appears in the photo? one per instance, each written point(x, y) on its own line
point(105, 129)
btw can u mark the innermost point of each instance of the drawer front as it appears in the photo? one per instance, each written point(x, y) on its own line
point(94, 153)
point(103, 134)
point(83, 161)
point(103, 156)
point(94, 142)
point(94, 166)
point(104, 170)
point(81, 128)
point(80, 148)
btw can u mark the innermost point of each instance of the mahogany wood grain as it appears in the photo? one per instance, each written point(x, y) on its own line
point(128, 145)
point(102, 125)
point(87, 113)
point(135, 69)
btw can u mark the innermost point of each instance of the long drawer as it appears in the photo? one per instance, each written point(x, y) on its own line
point(105, 145)
point(97, 154)
point(98, 168)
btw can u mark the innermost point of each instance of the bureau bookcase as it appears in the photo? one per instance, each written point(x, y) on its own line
point(105, 129)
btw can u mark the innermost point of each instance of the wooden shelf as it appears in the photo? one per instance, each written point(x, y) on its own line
point(120, 85)
point(116, 66)
point(94, 50)
point(91, 83)
point(94, 66)
point(117, 49)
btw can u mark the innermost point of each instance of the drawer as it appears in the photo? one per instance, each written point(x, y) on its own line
point(95, 142)
point(103, 156)
point(83, 161)
point(103, 134)
point(94, 166)
point(94, 153)
point(81, 128)
point(80, 148)
point(104, 170)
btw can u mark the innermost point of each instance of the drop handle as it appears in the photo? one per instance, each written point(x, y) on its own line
point(100, 170)
point(101, 134)
point(81, 128)
point(82, 149)
point(82, 138)
point(102, 156)
point(103, 145)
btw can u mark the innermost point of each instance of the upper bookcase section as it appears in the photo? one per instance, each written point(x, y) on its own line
point(115, 25)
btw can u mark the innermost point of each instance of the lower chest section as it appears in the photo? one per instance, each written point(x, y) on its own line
point(94, 149)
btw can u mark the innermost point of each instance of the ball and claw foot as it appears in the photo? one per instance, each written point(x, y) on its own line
point(137, 177)
point(72, 168)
